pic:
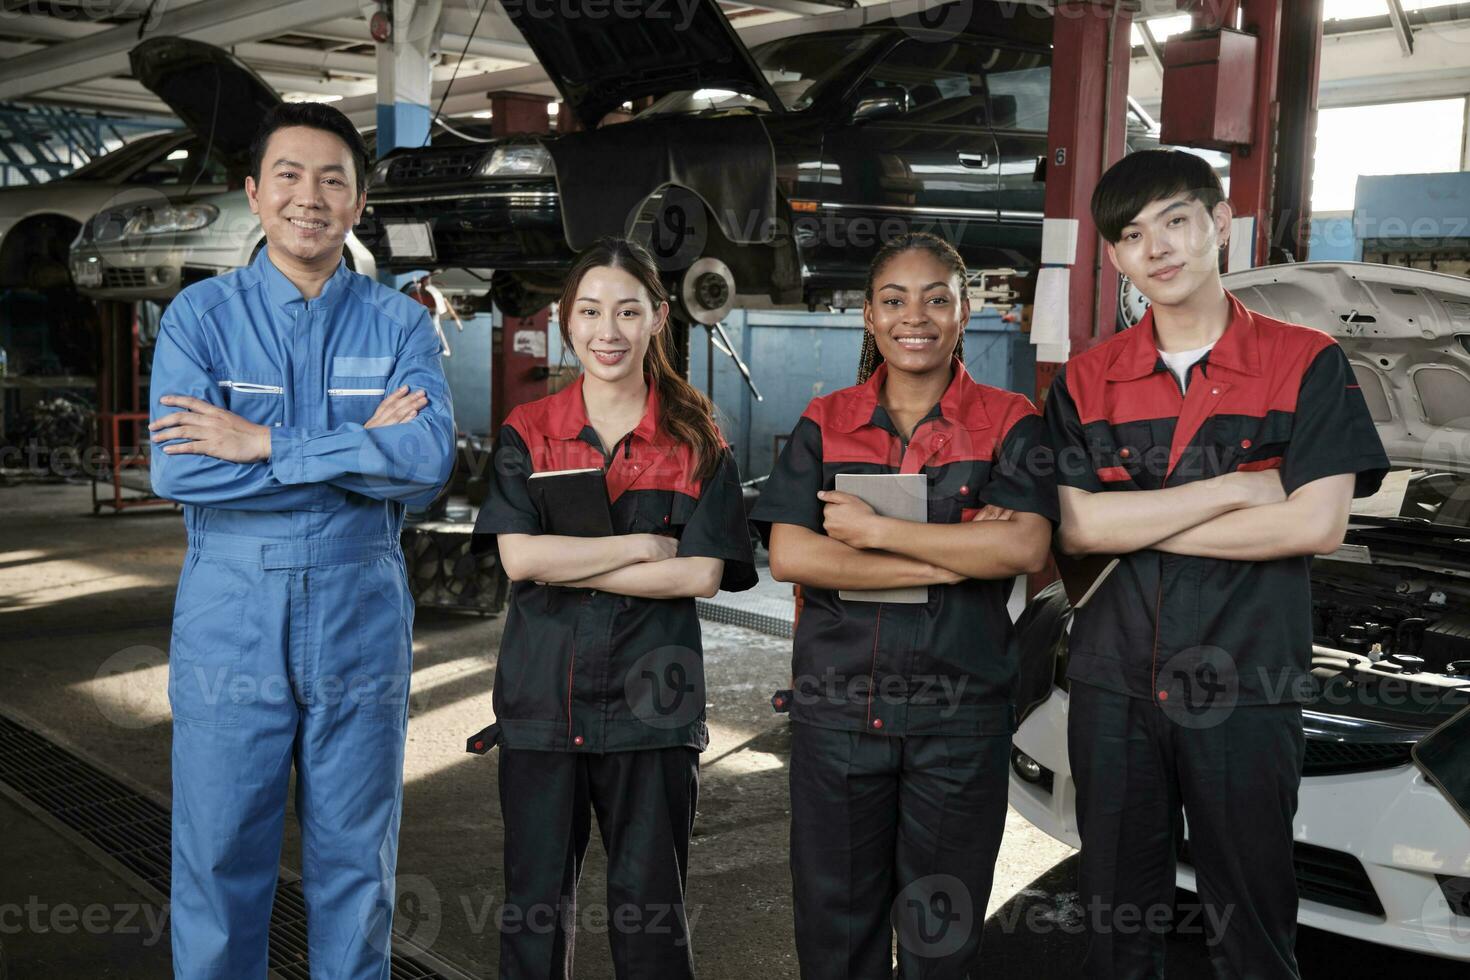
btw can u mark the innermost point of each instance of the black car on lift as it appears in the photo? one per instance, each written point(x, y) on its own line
point(767, 176)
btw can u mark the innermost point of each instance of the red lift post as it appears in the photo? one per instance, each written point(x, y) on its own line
point(1089, 88)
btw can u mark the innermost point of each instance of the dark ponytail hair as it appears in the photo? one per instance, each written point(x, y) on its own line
point(684, 411)
point(942, 250)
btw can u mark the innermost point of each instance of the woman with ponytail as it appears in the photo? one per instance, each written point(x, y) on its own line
point(599, 687)
point(901, 709)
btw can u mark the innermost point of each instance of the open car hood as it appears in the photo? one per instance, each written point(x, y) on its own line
point(1407, 334)
point(602, 58)
point(208, 89)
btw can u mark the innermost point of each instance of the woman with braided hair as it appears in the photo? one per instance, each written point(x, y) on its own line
point(901, 712)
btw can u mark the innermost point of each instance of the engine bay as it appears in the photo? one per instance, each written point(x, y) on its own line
point(1404, 619)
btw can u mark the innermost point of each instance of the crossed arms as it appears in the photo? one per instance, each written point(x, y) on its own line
point(1241, 516)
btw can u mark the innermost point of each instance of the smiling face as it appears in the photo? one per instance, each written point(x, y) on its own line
point(306, 195)
point(611, 323)
point(917, 311)
point(1171, 248)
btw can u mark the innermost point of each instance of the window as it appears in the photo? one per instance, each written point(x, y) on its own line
point(925, 83)
point(1020, 97)
point(181, 166)
point(1406, 138)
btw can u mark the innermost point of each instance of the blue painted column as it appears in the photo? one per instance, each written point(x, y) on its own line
point(405, 86)
point(405, 74)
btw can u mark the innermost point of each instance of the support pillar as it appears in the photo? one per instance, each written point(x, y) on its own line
point(1077, 287)
point(405, 74)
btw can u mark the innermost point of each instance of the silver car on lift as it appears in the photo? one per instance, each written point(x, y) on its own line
point(144, 245)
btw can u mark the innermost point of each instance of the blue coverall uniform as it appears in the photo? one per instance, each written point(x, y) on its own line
point(293, 622)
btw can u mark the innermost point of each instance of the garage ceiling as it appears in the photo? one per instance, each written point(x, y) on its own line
point(74, 52)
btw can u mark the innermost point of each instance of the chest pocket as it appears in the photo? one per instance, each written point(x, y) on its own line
point(355, 387)
point(958, 493)
point(661, 512)
point(1242, 442)
point(255, 396)
point(1133, 455)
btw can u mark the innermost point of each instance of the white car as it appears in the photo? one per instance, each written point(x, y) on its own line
point(145, 245)
point(1381, 854)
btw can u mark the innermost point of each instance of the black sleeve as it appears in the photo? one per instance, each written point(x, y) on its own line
point(1333, 432)
point(1021, 478)
point(508, 508)
point(717, 528)
point(789, 495)
point(1066, 440)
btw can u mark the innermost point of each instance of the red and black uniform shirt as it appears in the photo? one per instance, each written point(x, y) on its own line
point(1268, 395)
point(585, 670)
point(944, 666)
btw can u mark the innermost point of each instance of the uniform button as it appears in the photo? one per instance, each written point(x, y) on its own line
point(965, 489)
point(1125, 452)
point(578, 740)
point(1245, 444)
point(1214, 391)
point(666, 518)
point(1163, 695)
point(479, 746)
point(877, 722)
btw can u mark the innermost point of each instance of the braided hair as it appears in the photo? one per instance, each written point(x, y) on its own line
point(942, 250)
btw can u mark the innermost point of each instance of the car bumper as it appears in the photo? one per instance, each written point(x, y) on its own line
point(517, 228)
point(1387, 836)
point(127, 275)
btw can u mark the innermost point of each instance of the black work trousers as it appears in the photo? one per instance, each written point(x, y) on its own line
point(1233, 775)
point(893, 832)
point(645, 802)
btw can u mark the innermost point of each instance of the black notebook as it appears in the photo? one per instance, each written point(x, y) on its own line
point(572, 502)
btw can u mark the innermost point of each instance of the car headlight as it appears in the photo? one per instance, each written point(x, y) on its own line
point(175, 218)
point(380, 172)
point(516, 160)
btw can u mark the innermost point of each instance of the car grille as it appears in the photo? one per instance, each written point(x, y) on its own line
point(1327, 877)
point(1326, 758)
point(124, 278)
point(440, 165)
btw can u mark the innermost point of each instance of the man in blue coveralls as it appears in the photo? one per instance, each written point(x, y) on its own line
point(298, 408)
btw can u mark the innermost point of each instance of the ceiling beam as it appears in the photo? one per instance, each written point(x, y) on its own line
point(106, 52)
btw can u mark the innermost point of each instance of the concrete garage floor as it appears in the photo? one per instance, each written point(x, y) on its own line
point(84, 618)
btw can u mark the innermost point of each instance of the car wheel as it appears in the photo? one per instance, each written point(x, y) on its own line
point(1131, 304)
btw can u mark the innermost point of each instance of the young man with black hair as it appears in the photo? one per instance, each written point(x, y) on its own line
point(1215, 450)
point(293, 623)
